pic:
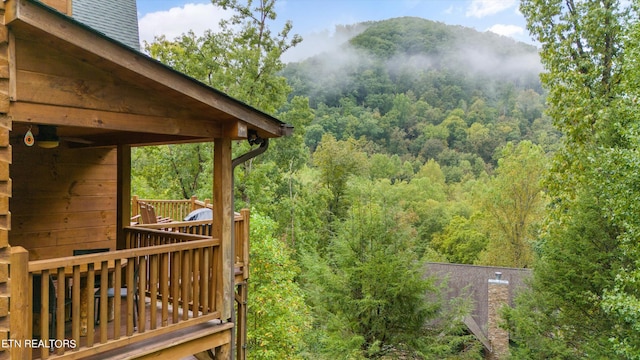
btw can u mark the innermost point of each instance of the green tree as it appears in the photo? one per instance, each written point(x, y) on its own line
point(172, 172)
point(337, 162)
point(583, 300)
point(243, 59)
point(460, 241)
point(512, 204)
point(369, 289)
point(278, 315)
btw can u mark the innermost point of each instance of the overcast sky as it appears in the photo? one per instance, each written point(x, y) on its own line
point(175, 17)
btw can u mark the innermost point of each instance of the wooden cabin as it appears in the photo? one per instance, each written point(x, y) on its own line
point(73, 103)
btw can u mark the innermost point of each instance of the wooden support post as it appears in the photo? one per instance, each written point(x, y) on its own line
point(241, 323)
point(124, 194)
point(20, 307)
point(193, 202)
point(222, 223)
point(134, 205)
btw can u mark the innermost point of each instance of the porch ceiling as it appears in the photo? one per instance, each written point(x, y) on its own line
point(94, 88)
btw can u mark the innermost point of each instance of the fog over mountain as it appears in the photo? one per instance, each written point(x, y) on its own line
point(420, 90)
point(411, 47)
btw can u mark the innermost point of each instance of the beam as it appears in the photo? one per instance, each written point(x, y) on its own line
point(22, 13)
point(107, 120)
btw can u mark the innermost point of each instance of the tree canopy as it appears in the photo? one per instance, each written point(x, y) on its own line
point(583, 296)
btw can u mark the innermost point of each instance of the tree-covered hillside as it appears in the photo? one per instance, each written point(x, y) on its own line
point(425, 90)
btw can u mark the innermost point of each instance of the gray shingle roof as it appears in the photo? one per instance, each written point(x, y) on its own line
point(117, 19)
point(471, 282)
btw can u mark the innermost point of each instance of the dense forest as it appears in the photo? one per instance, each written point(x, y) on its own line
point(417, 141)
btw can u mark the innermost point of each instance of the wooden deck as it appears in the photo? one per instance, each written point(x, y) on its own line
point(178, 267)
point(184, 341)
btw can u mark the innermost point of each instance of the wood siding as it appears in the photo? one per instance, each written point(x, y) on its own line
point(65, 199)
point(6, 52)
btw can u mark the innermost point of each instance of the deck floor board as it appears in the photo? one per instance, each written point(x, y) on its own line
point(110, 329)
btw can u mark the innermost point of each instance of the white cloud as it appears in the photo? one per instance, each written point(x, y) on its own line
point(506, 30)
point(179, 20)
point(482, 8)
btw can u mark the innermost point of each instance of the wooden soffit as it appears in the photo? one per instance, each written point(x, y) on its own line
point(63, 73)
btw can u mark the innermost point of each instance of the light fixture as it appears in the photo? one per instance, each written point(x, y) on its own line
point(47, 137)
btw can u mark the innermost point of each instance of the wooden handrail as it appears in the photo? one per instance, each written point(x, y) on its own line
point(176, 287)
point(174, 224)
point(174, 209)
point(39, 265)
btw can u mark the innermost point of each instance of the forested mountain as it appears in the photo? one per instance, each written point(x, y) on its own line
point(421, 89)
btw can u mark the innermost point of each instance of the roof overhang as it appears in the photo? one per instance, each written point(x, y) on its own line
point(194, 110)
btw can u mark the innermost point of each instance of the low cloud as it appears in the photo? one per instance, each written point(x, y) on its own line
point(482, 8)
point(179, 20)
point(322, 42)
point(489, 62)
point(506, 30)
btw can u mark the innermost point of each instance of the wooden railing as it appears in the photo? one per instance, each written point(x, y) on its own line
point(174, 209)
point(241, 235)
point(175, 281)
point(179, 209)
point(204, 227)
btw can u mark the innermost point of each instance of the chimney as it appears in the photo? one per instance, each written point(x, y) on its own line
point(498, 297)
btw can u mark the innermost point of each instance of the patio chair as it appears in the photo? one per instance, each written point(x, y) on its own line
point(148, 215)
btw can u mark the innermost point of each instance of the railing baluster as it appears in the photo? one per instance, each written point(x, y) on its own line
point(196, 282)
point(205, 275)
point(186, 281)
point(117, 299)
point(60, 307)
point(90, 305)
point(75, 305)
point(142, 278)
point(216, 293)
point(164, 288)
point(131, 264)
point(153, 290)
point(104, 301)
point(44, 310)
point(175, 286)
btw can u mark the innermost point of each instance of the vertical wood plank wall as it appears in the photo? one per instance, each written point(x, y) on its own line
point(68, 203)
point(5, 183)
